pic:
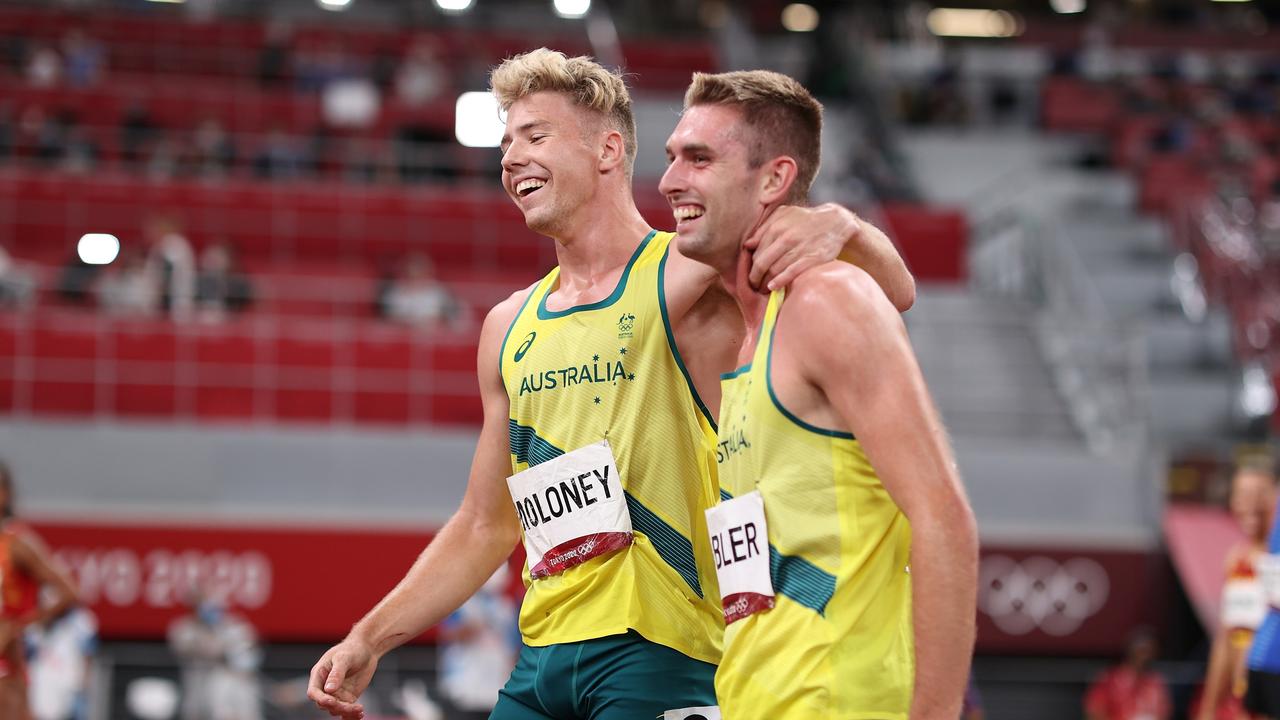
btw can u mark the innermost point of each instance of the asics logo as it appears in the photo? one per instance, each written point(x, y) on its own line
point(524, 346)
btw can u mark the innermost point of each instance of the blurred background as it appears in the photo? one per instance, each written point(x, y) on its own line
point(245, 248)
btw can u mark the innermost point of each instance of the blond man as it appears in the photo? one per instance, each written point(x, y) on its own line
point(599, 385)
point(844, 544)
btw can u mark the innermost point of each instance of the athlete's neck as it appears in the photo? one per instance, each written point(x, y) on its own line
point(603, 237)
point(751, 303)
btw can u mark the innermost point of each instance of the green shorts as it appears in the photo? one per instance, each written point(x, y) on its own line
point(621, 677)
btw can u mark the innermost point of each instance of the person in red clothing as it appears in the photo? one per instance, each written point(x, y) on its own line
point(25, 567)
point(1131, 690)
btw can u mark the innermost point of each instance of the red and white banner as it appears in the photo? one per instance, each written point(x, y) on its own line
point(293, 584)
point(311, 584)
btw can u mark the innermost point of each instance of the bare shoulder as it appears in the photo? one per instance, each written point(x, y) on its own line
point(24, 549)
point(1240, 552)
point(838, 291)
point(498, 321)
point(504, 312)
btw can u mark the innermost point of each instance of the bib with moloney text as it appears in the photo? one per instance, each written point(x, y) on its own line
point(572, 509)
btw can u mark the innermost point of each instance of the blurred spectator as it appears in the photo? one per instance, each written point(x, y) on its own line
point(422, 77)
point(417, 297)
point(84, 58)
point(76, 279)
point(129, 286)
point(17, 286)
point(137, 131)
point(26, 569)
point(1131, 690)
point(81, 152)
point(220, 286)
point(352, 102)
point(480, 643)
point(172, 263)
point(61, 665)
point(51, 138)
point(213, 152)
point(1269, 221)
point(424, 152)
point(317, 67)
point(364, 160)
point(382, 70)
point(163, 159)
point(219, 655)
point(13, 53)
point(44, 67)
point(6, 130)
point(1244, 603)
point(273, 59)
point(279, 157)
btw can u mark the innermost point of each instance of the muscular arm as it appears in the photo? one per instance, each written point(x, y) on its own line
point(851, 345)
point(467, 550)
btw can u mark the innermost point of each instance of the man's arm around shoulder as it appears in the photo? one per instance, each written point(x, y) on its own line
point(856, 350)
point(471, 545)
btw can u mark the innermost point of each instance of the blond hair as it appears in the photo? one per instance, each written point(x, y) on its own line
point(782, 117)
point(588, 83)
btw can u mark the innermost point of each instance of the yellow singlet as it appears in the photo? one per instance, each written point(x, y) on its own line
point(838, 643)
point(610, 370)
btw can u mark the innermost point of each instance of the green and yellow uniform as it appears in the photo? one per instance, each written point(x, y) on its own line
point(838, 643)
point(610, 370)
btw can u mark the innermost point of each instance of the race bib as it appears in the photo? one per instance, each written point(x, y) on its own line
point(740, 545)
point(1269, 572)
point(1244, 604)
point(572, 509)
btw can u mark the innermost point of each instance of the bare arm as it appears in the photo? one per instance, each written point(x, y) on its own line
point(1217, 676)
point(35, 560)
point(478, 538)
point(794, 239)
point(858, 355)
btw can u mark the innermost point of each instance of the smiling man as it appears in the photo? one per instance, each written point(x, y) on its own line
point(599, 385)
point(844, 545)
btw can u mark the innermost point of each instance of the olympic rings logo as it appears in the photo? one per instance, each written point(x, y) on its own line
point(1039, 592)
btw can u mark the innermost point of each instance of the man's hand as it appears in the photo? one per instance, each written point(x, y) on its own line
point(339, 678)
point(793, 239)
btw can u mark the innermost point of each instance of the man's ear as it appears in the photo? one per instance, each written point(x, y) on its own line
point(776, 179)
point(613, 151)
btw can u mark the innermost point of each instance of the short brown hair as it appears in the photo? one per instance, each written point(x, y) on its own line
point(783, 117)
point(590, 84)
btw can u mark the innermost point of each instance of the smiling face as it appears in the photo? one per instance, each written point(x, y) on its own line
point(550, 160)
point(710, 184)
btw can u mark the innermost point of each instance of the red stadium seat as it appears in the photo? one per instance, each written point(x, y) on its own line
point(151, 400)
point(56, 397)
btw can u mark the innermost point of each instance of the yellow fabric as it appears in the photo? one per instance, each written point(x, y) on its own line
point(839, 641)
point(610, 370)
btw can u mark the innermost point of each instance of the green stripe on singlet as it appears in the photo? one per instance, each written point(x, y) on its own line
point(802, 581)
